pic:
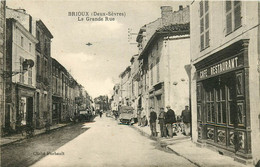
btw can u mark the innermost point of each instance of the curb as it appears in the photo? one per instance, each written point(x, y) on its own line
point(24, 138)
point(167, 147)
point(182, 156)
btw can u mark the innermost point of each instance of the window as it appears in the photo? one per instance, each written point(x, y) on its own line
point(158, 70)
point(21, 77)
point(151, 68)
point(22, 41)
point(233, 15)
point(38, 64)
point(204, 24)
point(221, 104)
point(46, 68)
point(210, 106)
point(29, 76)
point(39, 41)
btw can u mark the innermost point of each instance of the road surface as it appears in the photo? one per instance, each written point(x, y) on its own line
point(106, 143)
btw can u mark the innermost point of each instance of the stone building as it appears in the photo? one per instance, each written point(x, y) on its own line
point(43, 63)
point(2, 64)
point(163, 52)
point(125, 86)
point(43, 77)
point(225, 85)
point(21, 82)
point(115, 103)
point(57, 100)
point(134, 81)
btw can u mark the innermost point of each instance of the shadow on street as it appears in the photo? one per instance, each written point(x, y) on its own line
point(29, 151)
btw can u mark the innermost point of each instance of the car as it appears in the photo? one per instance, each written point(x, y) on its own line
point(126, 115)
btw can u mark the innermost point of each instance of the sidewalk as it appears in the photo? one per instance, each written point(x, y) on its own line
point(184, 147)
point(18, 137)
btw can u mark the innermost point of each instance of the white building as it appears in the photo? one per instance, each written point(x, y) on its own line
point(225, 40)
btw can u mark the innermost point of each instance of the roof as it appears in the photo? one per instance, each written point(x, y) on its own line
point(139, 36)
point(42, 25)
point(169, 30)
point(125, 71)
point(173, 28)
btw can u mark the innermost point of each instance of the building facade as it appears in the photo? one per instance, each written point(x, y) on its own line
point(164, 51)
point(57, 100)
point(43, 77)
point(125, 86)
point(21, 83)
point(2, 64)
point(225, 77)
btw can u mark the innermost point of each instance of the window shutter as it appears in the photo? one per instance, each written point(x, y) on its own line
point(207, 38)
point(202, 41)
point(201, 25)
point(237, 15)
point(229, 22)
point(206, 21)
point(228, 6)
point(201, 8)
point(206, 6)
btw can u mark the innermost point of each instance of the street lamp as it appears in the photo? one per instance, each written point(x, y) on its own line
point(26, 64)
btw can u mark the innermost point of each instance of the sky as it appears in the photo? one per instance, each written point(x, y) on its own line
point(97, 67)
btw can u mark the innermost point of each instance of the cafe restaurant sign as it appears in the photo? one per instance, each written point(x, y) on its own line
point(221, 67)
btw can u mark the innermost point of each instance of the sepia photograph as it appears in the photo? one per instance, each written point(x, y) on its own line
point(120, 83)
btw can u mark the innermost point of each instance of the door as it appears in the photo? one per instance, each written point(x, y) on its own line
point(29, 111)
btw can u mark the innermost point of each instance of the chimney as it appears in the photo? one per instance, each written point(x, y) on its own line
point(166, 11)
point(180, 7)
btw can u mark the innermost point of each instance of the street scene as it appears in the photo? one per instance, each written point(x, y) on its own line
point(120, 83)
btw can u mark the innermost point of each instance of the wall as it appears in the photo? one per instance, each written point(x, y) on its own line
point(25, 19)
point(2, 65)
point(19, 50)
point(218, 41)
point(176, 78)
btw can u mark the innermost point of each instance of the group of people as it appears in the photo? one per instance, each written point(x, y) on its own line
point(166, 121)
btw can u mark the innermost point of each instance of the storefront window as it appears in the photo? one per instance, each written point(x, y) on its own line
point(210, 105)
point(221, 104)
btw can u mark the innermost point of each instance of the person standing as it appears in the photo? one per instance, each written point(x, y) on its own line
point(153, 117)
point(143, 118)
point(169, 120)
point(162, 122)
point(100, 113)
point(139, 116)
point(185, 114)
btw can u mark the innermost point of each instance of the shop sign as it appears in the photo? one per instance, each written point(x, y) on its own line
point(220, 67)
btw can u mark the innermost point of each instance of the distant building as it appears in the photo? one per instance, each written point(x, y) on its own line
point(134, 82)
point(225, 77)
point(57, 100)
point(115, 100)
point(125, 86)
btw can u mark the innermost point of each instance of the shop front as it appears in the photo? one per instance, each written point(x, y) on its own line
point(156, 97)
point(223, 112)
point(25, 97)
point(56, 109)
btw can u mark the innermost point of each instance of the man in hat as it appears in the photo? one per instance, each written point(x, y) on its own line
point(153, 117)
point(169, 120)
point(162, 122)
point(186, 120)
